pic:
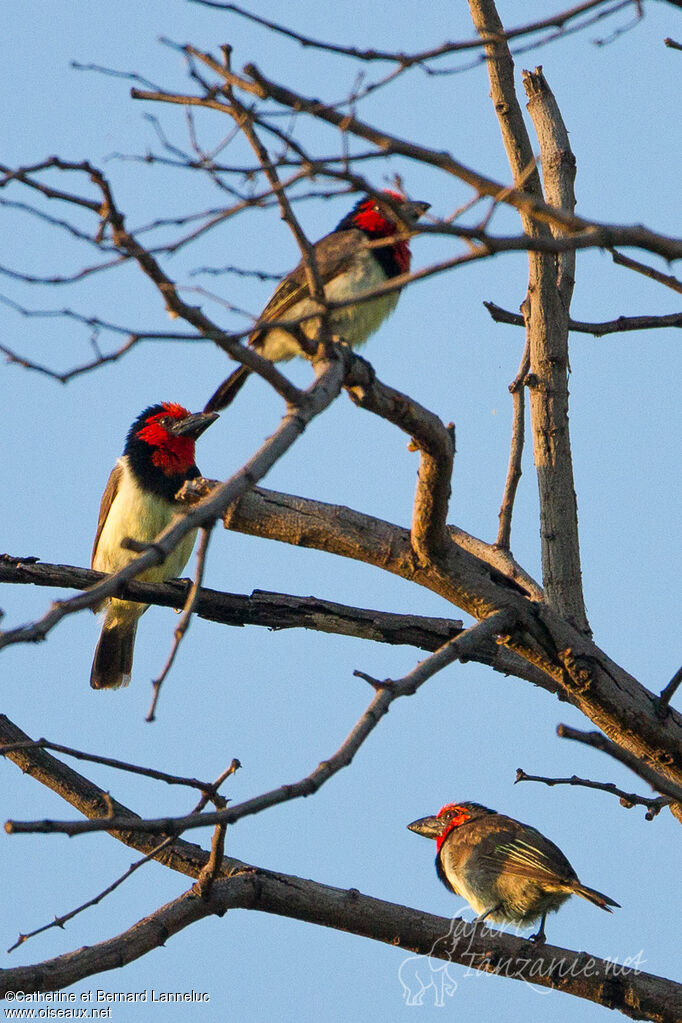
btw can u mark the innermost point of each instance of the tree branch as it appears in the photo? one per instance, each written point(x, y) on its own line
point(668, 692)
point(270, 610)
point(620, 325)
point(636, 994)
point(640, 767)
point(604, 235)
point(576, 667)
point(183, 625)
point(516, 451)
point(627, 799)
point(406, 60)
point(429, 535)
point(546, 315)
point(461, 647)
point(648, 271)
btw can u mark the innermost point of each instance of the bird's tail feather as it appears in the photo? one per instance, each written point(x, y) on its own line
point(228, 390)
point(113, 662)
point(597, 898)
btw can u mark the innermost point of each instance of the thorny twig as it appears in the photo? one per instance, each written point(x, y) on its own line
point(654, 805)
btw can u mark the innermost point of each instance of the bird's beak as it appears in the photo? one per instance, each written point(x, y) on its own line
point(413, 210)
point(429, 827)
point(193, 426)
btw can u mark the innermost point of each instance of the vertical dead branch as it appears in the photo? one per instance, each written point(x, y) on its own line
point(558, 168)
point(547, 332)
point(515, 453)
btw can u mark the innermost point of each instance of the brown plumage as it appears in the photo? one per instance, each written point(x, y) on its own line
point(347, 267)
point(507, 871)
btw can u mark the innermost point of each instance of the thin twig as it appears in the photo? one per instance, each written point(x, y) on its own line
point(60, 921)
point(183, 624)
point(514, 469)
point(598, 741)
point(120, 765)
point(627, 799)
point(648, 271)
point(462, 647)
point(210, 793)
point(244, 120)
point(603, 234)
point(619, 325)
point(406, 60)
point(111, 218)
point(668, 693)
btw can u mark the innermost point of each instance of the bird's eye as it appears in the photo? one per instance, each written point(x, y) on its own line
point(165, 422)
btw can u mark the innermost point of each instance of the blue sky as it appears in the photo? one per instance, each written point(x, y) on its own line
point(281, 702)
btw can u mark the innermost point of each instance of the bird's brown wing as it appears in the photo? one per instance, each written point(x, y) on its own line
point(108, 496)
point(537, 859)
point(333, 255)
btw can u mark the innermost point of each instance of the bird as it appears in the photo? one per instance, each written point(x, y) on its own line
point(507, 871)
point(347, 267)
point(139, 502)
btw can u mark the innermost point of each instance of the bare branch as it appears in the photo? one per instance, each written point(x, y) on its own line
point(536, 208)
point(270, 610)
point(430, 536)
point(617, 326)
point(112, 218)
point(459, 648)
point(648, 271)
point(405, 60)
point(636, 994)
point(245, 121)
point(640, 767)
point(546, 312)
point(627, 799)
point(516, 389)
point(60, 921)
point(345, 910)
point(668, 693)
point(558, 168)
point(183, 624)
point(208, 788)
point(601, 689)
point(210, 792)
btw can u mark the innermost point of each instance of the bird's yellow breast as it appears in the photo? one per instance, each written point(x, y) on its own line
point(140, 516)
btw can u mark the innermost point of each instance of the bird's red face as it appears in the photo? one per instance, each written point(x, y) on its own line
point(452, 816)
point(449, 817)
point(172, 453)
point(379, 221)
